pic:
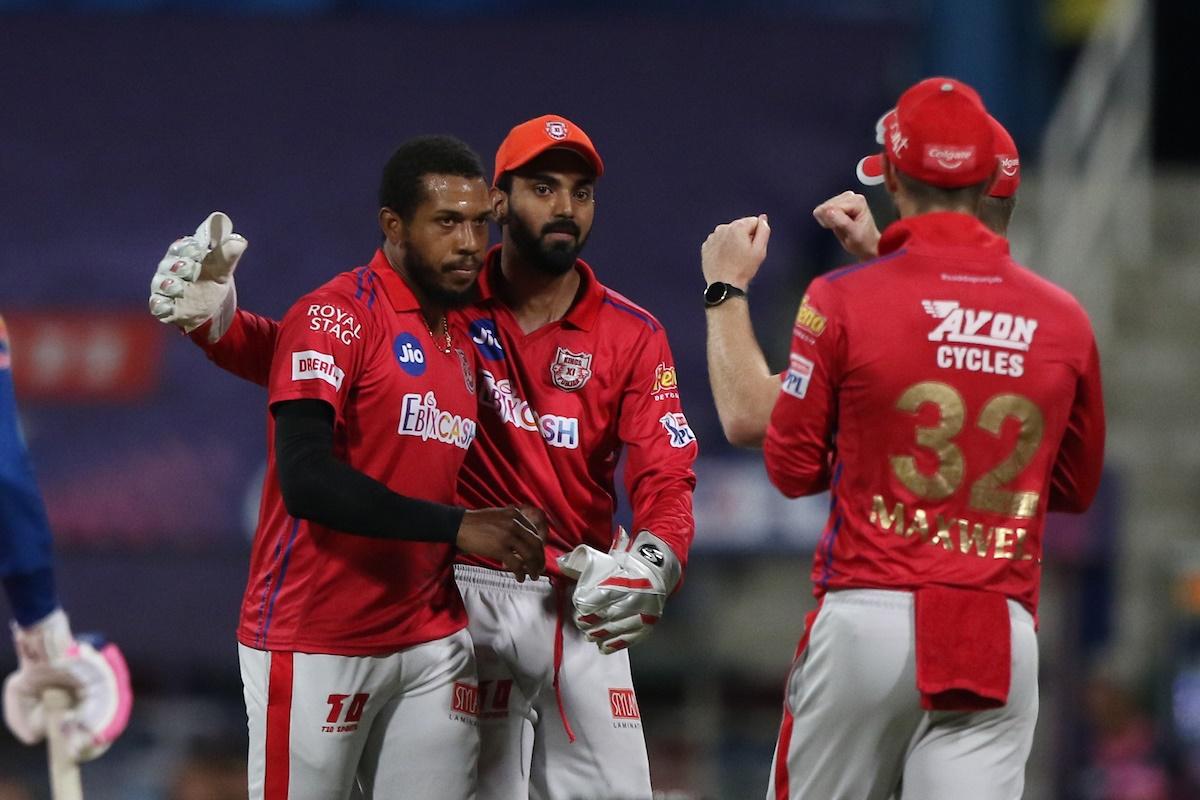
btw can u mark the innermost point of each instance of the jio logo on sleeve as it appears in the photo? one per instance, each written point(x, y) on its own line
point(410, 354)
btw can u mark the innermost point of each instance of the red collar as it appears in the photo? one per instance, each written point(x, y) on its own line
point(941, 229)
point(582, 313)
point(396, 289)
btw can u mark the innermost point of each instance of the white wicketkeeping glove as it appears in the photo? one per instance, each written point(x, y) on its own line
point(620, 595)
point(48, 657)
point(194, 280)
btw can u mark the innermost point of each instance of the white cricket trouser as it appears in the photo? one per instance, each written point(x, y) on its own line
point(399, 725)
point(853, 727)
point(525, 751)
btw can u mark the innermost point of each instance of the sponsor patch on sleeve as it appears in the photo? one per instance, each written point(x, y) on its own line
point(677, 428)
point(809, 320)
point(666, 384)
point(312, 364)
point(799, 373)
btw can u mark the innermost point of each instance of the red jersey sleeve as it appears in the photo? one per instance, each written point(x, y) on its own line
point(1076, 473)
point(660, 447)
point(246, 349)
point(312, 362)
point(800, 436)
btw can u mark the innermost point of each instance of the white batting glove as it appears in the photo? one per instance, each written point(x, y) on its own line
point(48, 657)
point(194, 280)
point(620, 594)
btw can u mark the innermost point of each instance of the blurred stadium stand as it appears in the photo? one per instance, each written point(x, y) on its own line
point(124, 123)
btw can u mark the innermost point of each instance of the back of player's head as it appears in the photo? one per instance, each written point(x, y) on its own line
point(402, 188)
point(531, 138)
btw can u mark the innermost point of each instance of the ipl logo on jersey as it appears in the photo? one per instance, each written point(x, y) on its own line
point(799, 373)
point(570, 371)
point(677, 428)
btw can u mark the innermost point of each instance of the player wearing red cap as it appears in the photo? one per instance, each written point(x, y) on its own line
point(744, 388)
point(354, 655)
point(572, 374)
point(947, 398)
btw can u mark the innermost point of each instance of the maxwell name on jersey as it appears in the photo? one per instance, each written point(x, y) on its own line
point(557, 431)
point(420, 416)
point(985, 341)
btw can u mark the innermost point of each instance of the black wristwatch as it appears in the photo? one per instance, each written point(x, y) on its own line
point(719, 291)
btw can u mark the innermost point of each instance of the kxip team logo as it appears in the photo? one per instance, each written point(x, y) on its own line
point(570, 371)
point(556, 130)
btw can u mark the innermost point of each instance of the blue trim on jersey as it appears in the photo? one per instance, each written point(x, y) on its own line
point(371, 297)
point(838, 274)
point(287, 556)
point(646, 318)
point(834, 530)
point(358, 280)
point(266, 592)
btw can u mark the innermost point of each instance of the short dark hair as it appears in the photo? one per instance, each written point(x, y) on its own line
point(928, 196)
point(402, 188)
point(504, 183)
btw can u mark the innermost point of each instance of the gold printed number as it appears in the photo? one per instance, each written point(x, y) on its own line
point(949, 475)
point(987, 493)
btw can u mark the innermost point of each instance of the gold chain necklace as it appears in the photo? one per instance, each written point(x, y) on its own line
point(445, 346)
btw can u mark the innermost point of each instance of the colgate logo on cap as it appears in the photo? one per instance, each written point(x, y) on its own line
point(949, 157)
point(556, 130)
point(1010, 166)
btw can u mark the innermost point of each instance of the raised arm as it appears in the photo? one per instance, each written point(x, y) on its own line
point(744, 389)
point(194, 290)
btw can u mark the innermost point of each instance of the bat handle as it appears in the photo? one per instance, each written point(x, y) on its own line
point(64, 772)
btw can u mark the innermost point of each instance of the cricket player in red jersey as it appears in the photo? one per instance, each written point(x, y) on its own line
point(744, 388)
point(571, 375)
point(948, 398)
point(355, 659)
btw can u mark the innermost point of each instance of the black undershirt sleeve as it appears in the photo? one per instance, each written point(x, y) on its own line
point(318, 487)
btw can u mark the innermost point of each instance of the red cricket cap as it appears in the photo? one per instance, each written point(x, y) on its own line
point(939, 133)
point(530, 139)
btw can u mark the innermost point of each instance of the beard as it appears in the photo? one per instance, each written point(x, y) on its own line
point(552, 258)
point(427, 277)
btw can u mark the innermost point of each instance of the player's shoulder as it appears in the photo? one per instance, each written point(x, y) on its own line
point(357, 288)
point(619, 311)
point(874, 269)
point(1045, 294)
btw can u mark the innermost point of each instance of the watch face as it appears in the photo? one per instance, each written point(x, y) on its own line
point(715, 293)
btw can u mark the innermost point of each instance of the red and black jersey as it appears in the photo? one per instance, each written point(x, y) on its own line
point(948, 397)
point(405, 415)
point(558, 407)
